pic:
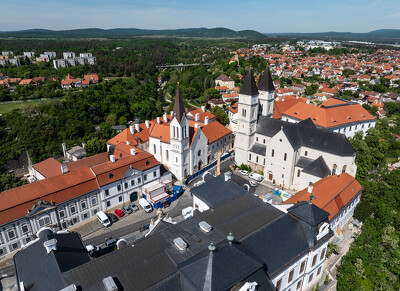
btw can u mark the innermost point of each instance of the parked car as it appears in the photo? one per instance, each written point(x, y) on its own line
point(268, 198)
point(111, 241)
point(256, 177)
point(145, 205)
point(244, 172)
point(119, 213)
point(252, 183)
point(127, 209)
point(113, 218)
point(134, 207)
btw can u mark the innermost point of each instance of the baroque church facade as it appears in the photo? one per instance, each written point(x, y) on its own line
point(291, 155)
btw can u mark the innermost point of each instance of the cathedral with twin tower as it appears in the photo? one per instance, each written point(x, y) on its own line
point(290, 155)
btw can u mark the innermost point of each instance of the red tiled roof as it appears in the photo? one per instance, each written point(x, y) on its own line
point(161, 131)
point(214, 131)
point(284, 104)
point(15, 202)
point(89, 161)
point(234, 108)
point(48, 168)
point(333, 193)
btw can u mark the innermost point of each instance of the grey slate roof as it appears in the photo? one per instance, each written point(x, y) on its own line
point(318, 168)
point(218, 191)
point(258, 149)
point(266, 83)
point(269, 126)
point(303, 162)
point(308, 213)
point(249, 85)
point(179, 108)
point(70, 253)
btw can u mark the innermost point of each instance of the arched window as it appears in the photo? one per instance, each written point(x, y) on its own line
point(344, 169)
point(334, 169)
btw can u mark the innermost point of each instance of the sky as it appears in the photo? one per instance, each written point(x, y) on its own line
point(265, 16)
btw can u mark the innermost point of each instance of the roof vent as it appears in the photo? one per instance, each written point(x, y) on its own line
point(180, 244)
point(50, 245)
point(133, 152)
point(71, 287)
point(112, 158)
point(212, 247)
point(109, 284)
point(230, 238)
point(204, 226)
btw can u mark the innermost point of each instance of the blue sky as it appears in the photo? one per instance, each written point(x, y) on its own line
point(260, 15)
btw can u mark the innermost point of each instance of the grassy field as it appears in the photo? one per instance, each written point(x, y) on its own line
point(7, 107)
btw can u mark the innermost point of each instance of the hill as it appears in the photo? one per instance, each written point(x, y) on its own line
point(219, 32)
point(375, 35)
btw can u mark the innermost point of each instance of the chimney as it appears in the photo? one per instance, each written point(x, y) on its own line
point(310, 188)
point(50, 245)
point(127, 142)
point(337, 172)
point(147, 123)
point(137, 127)
point(112, 158)
point(64, 169)
point(203, 108)
point(172, 114)
point(64, 147)
point(109, 284)
point(133, 152)
point(228, 176)
point(206, 120)
point(197, 117)
point(132, 128)
point(165, 117)
point(197, 125)
point(158, 121)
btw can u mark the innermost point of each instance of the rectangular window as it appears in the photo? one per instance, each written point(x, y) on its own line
point(249, 157)
point(144, 177)
point(24, 228)
point(139, 180)
point(155, 174)
point(166, 155)
point(94, 201)
point(132, 182)
point(108, 203)
point(290, 276)
point(61, 213)
point(285, 156)
point(85, 216)
point(119, 188)
point(322, 254)
point(257, 138)
point(155, 148)
point(264, 141)
point(306, 153)
point(298, 285)
point(279, 284)
point(310, 278)
point(256, 159)
point(120, 198)
point(303, 264)
point(273, 153)
point(244, 112)
point(298, 173)
point(2, 252)
point(314, 260)
point(72, 209)
point(107, 192)
point(14, 246)
point(83, 205)
point(319, 271)
point(11, 234)
point(126, 185)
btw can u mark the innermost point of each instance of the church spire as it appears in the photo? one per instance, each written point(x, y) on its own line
point(249, 85)
point(266, 83)
point(179, 109)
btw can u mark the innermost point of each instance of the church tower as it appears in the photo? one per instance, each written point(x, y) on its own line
point(179, 139)
point(247, 118)
point(267, 89)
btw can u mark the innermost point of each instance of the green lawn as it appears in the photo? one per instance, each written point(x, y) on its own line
point(5, 108)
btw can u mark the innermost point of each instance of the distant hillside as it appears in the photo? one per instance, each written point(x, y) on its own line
point(134, 32)
point(376, 35)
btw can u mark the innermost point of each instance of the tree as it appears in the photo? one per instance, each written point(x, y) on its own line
point(95, 146)
point(221, 116)
point(9, 181)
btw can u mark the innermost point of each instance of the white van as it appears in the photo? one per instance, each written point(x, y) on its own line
point(103, 218)
point(256, 176)
point(145, 205)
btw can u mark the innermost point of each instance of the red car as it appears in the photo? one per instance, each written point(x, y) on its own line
point(119, 213)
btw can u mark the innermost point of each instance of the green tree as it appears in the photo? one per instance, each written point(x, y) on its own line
point(95, 146)
point(220, 114)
